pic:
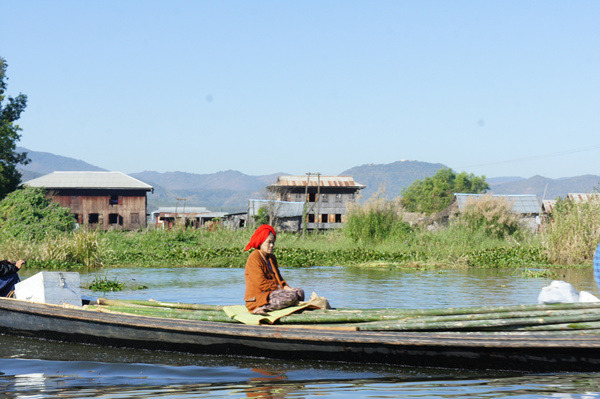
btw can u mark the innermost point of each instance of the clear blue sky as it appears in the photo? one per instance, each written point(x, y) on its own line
point(499, 88)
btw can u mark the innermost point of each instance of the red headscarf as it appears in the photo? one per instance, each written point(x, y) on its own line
point(259, 236)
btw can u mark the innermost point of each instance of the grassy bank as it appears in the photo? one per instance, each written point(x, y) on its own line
point(485, 234)
point(224, 248)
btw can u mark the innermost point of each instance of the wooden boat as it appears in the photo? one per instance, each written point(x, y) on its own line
point(454, 346)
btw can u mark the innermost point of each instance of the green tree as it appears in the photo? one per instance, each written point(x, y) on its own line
point(28, 215)
point(262, 215)
point(10, 112)
point(433, 194)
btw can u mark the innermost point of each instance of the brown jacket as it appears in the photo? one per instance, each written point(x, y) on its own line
point(260, 280)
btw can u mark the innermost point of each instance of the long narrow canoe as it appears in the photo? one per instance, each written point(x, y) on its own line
point(577, 350)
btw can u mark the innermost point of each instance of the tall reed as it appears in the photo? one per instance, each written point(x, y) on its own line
point(378, 219)
point(573, 232)
point(492, 216)
point(81, 247)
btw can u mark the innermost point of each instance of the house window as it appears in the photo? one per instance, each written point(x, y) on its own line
point(114, 200)
point(298, 196)
point(312, 197)
point(114, 218)
point(338, 198)
point(311, 218)
point(324, 218)
point(324, 198)
point(93, 218)
point(338, 218)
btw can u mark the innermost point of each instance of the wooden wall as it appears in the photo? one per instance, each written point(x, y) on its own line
point(105, 209)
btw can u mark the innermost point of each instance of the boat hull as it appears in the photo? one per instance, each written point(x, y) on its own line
point(502, 351)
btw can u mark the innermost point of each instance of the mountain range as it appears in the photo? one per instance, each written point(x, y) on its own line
point(230, 190)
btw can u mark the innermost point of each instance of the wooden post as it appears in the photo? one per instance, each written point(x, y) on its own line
point(305, 210)
point(318, 201)
point(248, 216)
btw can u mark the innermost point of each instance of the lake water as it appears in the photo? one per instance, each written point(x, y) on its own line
point(32, 368)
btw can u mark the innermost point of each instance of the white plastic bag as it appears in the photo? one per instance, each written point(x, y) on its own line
point(558, 292)
point(585, 296)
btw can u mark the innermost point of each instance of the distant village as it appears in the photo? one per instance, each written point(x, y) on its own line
point(114, 200)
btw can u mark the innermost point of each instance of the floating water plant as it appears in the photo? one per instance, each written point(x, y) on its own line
point(104, 284)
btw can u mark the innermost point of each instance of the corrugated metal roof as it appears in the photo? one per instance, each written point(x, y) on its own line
point(281, 209)
point(90, 180)
point(212, 215)
point(188, 212)
point(583, 197)
point(181, 209)
point(548, 205)
point(324, 181)
point(522, 203)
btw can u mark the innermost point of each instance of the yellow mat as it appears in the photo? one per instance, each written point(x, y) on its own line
point(241, 314)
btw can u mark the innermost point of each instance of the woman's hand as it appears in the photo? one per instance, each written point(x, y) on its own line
point(19, 263)
point(287, 287)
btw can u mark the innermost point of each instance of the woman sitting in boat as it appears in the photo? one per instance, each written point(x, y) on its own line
point(266, 290)
point(9, 276)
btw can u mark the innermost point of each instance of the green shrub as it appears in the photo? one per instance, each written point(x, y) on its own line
point(27, 214)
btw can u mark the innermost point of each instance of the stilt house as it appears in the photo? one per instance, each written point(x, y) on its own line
point(103, 200)
point(325, 197)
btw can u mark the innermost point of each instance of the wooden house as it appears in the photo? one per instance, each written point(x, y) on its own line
point(283, 215)
point(195, 217)
point(103, 200)
point(325, 197)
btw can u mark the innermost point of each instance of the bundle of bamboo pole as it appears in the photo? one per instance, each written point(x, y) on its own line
point(560, 317)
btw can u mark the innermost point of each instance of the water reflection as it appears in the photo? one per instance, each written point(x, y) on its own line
point(272, 384)
point(297, 383)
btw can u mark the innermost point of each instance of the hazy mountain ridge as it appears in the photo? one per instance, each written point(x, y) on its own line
point(546, 188)
point(394, 176)
point(503, 179)
point(222, 191)
point(230, 190)
point(229, 179)
point(45, 162)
